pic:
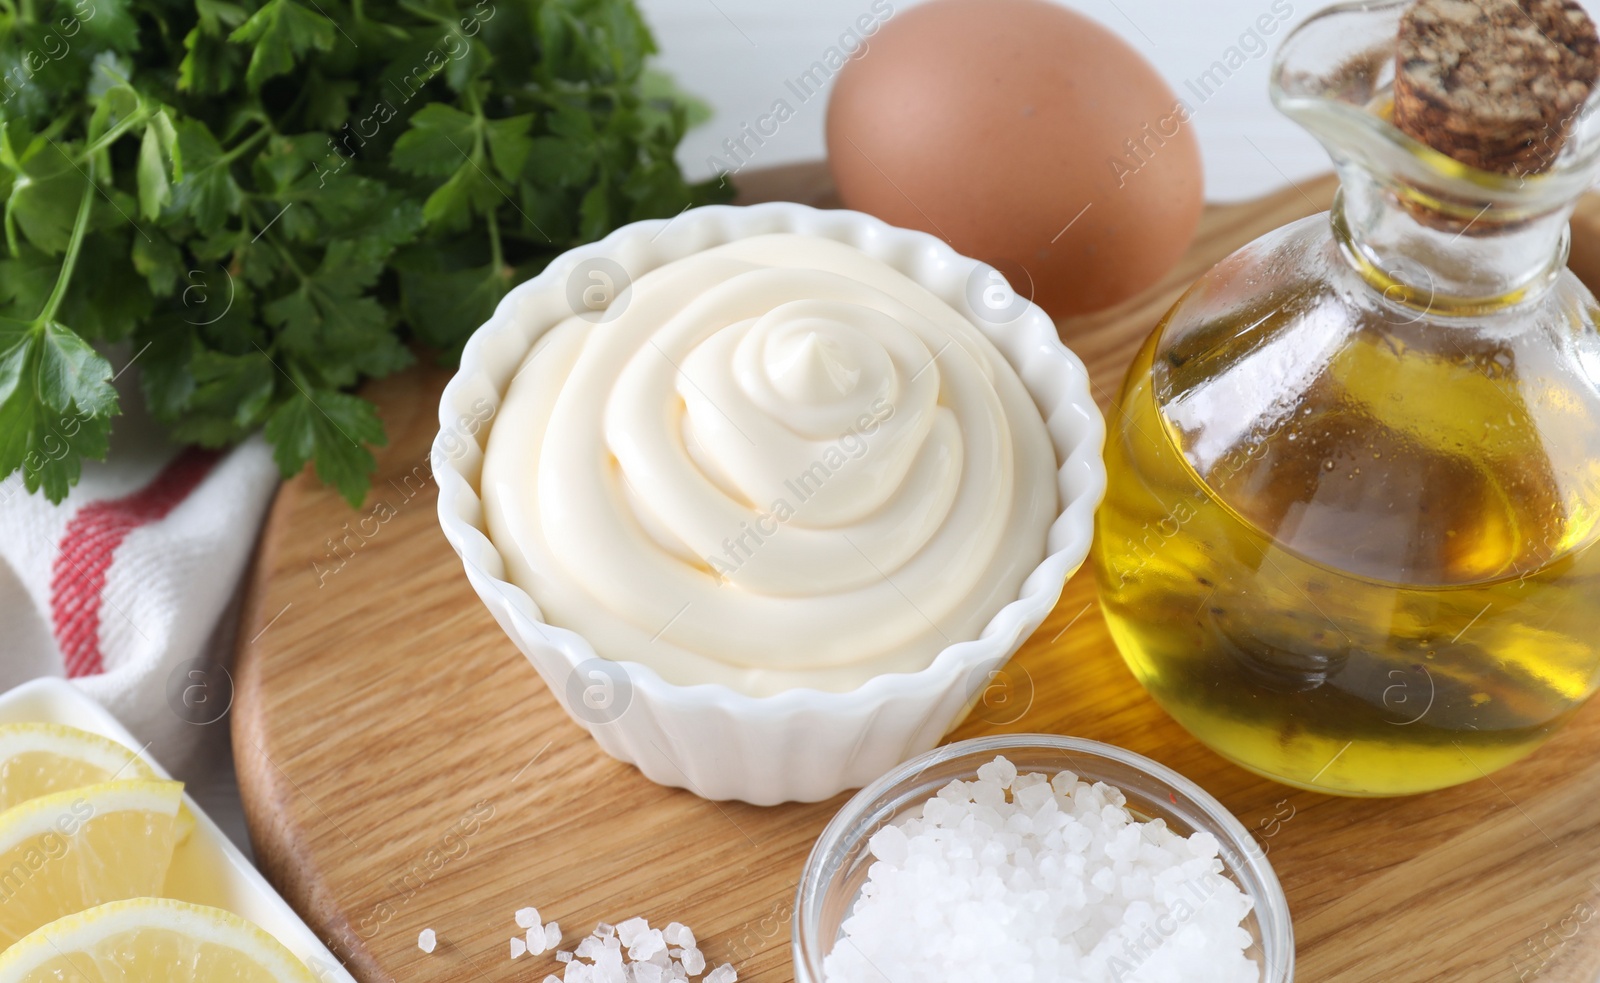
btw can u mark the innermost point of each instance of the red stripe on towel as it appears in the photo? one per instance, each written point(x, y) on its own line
point(78, 576)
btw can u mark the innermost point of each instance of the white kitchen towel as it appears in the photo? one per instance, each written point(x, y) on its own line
point(122, 587)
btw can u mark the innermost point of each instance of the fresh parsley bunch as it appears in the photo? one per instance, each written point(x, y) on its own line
point(272, 199)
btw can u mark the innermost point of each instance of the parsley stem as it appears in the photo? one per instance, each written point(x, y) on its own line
point(115, 133)
point(287, 257)
point(426, 14)
point(247, 143)
point(79, 226)
point(496, 255)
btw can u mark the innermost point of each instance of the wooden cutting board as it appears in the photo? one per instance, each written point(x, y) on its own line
point(404, 768)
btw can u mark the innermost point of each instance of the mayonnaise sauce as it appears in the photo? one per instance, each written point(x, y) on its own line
point(783, 464)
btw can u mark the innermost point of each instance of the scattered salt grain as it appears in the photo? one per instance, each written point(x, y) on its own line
point(427, 939)
point(631, 952)
point(1014, 877)
point(628, 952)
point(647, 944)
point(631, 929)
point(678, 934)
point(693, 962)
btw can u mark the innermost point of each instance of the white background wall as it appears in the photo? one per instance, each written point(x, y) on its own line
point(736, 54)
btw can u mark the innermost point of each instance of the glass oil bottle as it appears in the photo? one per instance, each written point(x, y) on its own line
point(1349, 540)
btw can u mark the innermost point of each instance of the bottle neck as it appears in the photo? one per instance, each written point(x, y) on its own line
point(1446, 257)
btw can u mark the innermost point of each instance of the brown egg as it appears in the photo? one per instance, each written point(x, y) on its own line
point(1025, 135)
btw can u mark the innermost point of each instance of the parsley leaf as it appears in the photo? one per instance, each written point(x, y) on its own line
point(208, 193)
point(509, 144)
point(44, 198)
point(56, 400)
point(334, 428)
point(110, 22)
point(155, 184)
point(447, 305)
point(439, 136)
point(229, 397)
point(281, 31)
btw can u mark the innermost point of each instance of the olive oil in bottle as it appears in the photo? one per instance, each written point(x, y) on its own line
point(1323, 673)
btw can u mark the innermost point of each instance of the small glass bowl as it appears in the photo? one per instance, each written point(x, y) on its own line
point(837, 867)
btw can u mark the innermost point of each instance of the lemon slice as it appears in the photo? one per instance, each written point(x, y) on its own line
point(38, 759)
point(147, 940)
point(71, 850)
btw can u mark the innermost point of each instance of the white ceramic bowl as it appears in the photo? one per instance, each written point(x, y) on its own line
point(801, 744)
point(207, 868)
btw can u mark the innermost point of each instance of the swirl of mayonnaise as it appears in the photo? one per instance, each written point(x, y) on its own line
point(783, 464)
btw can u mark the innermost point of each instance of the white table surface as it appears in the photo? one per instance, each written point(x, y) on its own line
point(736, 54)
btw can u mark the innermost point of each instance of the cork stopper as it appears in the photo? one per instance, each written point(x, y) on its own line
point(1495, 84)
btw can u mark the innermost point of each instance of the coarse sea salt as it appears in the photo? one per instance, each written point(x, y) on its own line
point(678, 934)
point(427, 939)
point(628, 952)
point(1023, 877)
